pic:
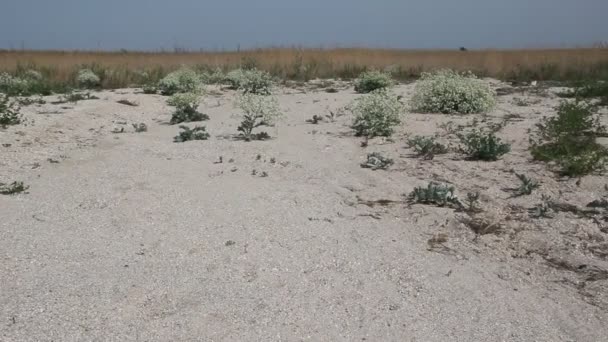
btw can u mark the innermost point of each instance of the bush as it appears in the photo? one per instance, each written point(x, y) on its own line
point(372, 80)
point(186, 105)
point(589, 89)
point(149, 88)
point(450, 92)
point(426, 147)
point(480, 145)
point(376, 161)
point(87, 79)
point(9, 112)
point(376, 114)
point(13, 85)
point(257, 110)
point(570, 139)
point(235, 78)
point(183, 80)
point(187, 134)
point(250, 81)
point(435, 194)
point(215, 77)
point(33, 75)
point(13, 188)
point(527, 186)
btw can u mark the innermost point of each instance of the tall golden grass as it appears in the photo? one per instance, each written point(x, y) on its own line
point(323, 63)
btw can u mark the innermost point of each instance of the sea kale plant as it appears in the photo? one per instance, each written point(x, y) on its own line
point(13, 188)
point(9, 112)
point(435, 194)
point(256, 111)
point(184, 80)
point(252, 81)
point(376, 161)
point(187, 134)
point(451, 92)
point(373, 80)
point(186, 108)
point(483, 145)
point(426, 147)
point(11, 85)
point(569, 139)
point(376, 114)
point(87, 79)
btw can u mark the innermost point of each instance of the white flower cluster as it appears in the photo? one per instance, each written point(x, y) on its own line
point(11, 84)
point(32, 75)
point(372, 80)
point(86, 78)
point(250, 81)
point(450, 92)
point(216, 76)
point(184, 101)
point(183, 80)
point(259, 106)
point(376, 114)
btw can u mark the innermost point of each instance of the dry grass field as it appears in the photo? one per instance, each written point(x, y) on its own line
point(121, 69)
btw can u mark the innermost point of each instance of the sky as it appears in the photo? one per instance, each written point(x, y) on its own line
point(230, 24)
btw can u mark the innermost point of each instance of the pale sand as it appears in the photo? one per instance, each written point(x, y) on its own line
point(131, 237)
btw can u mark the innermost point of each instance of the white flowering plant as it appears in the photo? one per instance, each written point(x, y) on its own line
point(250, 81)
point(373, 80)
point(186, 108)
point(376, 114)
point(87, 79)
point(184, 80)
point(9, 112)
point(13, 85)
point(450, 92)
point(256, 110)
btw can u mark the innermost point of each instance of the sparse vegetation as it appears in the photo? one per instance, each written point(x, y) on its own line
point(128, 102)
point(435, 194)
point(376, 161)
point(9, 112)
point(250, 81)
point(426, 147)
point(589, 90)
point(12, 188)
point(140, 127)
point(187, 134)
point(483, 145)
point(186, 108)
point(87, 79)
point(373, 80)
point(256, 111)
point(570, 139)
point(376, 114)
point(527, 185)
point(150, 88)
point(183, 80)
point(451, 92)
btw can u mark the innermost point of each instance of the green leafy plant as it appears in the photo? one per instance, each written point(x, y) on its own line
point(186, 108)
point(150, 88)
point(527, 185)
point(569, 139)
point(376, 114)
point(587, 90)
point(187, 134)
point(426, 147)
point(250, 81)
point(256, 111)
point(451, 92)
point(13, 188)
point(472, 202)
point(74, 97)
point(9, 112)
point(87, 79)
point(373, 80)
point(376, 161)
point(140, 127)
point(480, 145)
point(184, 80)
point(435, 194)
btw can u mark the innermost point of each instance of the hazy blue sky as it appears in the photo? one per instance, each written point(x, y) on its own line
point(195, 24)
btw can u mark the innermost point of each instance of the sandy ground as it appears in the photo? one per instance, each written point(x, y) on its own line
point(131, 237)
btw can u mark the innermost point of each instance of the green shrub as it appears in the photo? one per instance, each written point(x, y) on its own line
point(13, 188)
point(13, 85)
point(527, 185)
point(250, 81)
point(183, 80)
point(9, 112)
point(376, 114)
point(480, 145)
point(589, 89)
point(187, 134)
point(235, 78)
point(570, 139)
point(186, 108)
point(450, 92)
point(373, 80)
point(435, 194)
point(426, 147)
point(257, 110)
point(87, 79)
point(216, 76)
point(376, 161)
point(150, 88)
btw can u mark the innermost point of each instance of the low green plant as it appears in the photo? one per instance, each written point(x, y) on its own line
point(28, 101)
point(472, 202)
point(250, 81)
point(435, 194)
point(569, 139)
point(87, 79)
point(482, 145)
point(256, 111)
point(74, 97)
point(426, 147)
point(183, 80)
point(373, 80)
point(527, 186)
point(376, 114)
point(9, 112)
point(186, 108)
point(376, 161)
point(13, 188)
point(187, 134)
point(150, 88)
point(588, 90)
point(451, 92)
